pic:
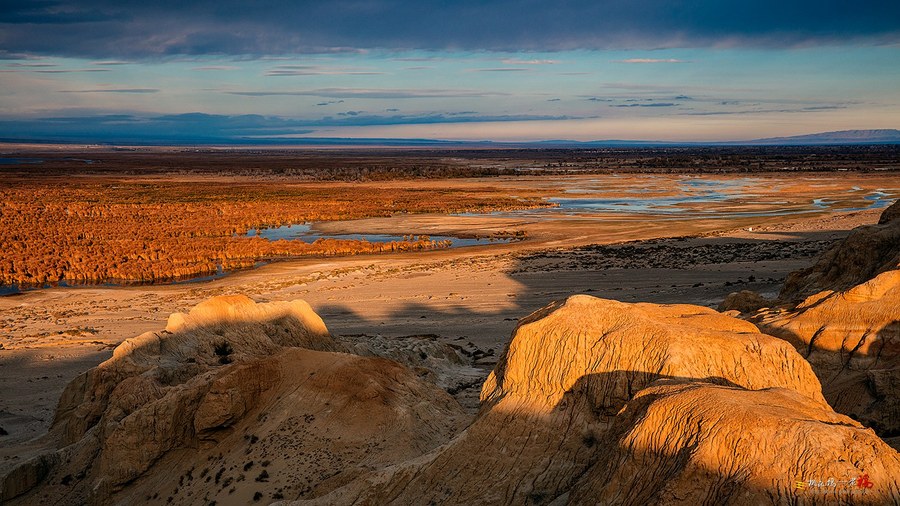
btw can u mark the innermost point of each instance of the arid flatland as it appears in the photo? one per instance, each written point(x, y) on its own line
point(632, 237)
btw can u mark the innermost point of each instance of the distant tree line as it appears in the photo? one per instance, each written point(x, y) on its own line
point(373, 164)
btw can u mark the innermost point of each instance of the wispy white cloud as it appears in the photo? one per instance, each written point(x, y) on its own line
point(216, 67)
point(650, 104)
point(515, 61)
point(757, 110)
point(114, 90)
point(651, 60)
point(419, 58)
point(375, 93)
point(67, 71)
point(501, 69)
point(31, 65)
point(315, 70)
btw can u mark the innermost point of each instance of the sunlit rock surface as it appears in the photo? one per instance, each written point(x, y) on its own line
point(598, 401)
point(848, 323)
point(232, 400)
point(704, 444)
point(867, 252)
point(593, 401)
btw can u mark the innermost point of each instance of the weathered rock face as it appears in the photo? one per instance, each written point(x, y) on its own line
point(852, 340)
point(867, 252)
point(214, 333)
point(608, 350)
point(693, 401)
point(891, 214)
point(593, 401)
point(745, 301)
point(449, 367)
point(232, 399)
point(849, 328)
point(695, 443)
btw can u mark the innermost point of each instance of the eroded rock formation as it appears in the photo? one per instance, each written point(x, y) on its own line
point(744, 301)
point(847, 323)
point(232, 400)
point(867, 252)
point(694, 443)
point(593, 401)
point(598, 401)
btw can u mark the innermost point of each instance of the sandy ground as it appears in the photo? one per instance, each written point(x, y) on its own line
point(470, 294)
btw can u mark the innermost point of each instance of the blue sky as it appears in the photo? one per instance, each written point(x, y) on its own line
point(468, 70)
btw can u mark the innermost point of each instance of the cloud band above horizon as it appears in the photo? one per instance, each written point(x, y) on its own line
point(137, 30)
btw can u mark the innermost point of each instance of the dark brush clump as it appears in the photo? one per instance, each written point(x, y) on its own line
point(223, 350)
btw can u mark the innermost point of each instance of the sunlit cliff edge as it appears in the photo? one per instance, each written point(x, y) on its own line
point(842, 314)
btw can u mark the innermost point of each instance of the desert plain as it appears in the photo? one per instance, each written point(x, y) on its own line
point(629, 236)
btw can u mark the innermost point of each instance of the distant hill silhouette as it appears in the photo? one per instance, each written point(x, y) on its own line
point(213, 135)
point(883, 136)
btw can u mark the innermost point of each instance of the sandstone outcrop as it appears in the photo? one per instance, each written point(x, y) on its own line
point(592, 401)
point(852, 340)
point(693, 443)
point(231, 400)
point(598, 401)
point(890, 214)
point(215, 332)
point(848, 323)
point(450, 367)
point(745, 301)
point(867, 252)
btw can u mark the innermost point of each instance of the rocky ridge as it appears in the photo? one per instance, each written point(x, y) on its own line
point(597, 401)
point(843, 315)
point(231, 400)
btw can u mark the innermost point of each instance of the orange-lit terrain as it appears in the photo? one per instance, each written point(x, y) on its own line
point(471, 253)
point(651, 339)
point(100, 231)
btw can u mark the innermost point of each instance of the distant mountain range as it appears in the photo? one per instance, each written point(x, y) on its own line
point(843, 137)
point(883, 136)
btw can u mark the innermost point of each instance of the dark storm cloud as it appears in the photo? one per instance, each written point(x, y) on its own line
point(142, 29)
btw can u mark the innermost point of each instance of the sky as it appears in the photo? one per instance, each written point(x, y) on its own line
point(508, 70)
